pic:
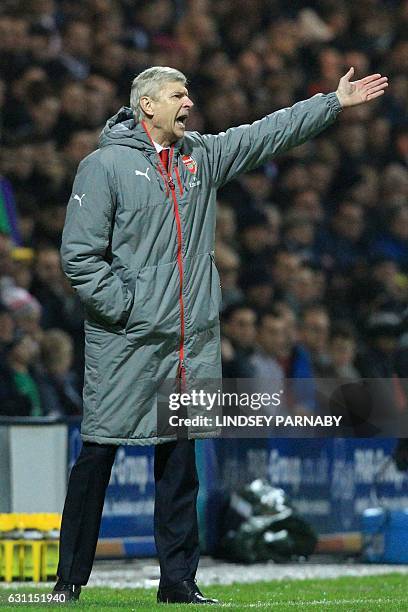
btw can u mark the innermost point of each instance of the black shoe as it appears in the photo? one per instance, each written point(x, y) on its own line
point(183, 592)
point(66, 591)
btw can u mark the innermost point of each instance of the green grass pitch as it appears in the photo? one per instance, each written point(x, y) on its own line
point(349, 594)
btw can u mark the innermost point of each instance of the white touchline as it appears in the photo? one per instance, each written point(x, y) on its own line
point(76, 197)
point(138, 173)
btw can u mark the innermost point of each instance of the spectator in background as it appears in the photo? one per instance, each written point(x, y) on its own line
point(340, 376)
point(19, 392)
point(282, 357)
point(256, 284)
point(268, 374)
point(285, 266)
point(270, 346)
point(238, 343)
point(293, 357)
point(259, 188)
point(308, 204)
point(43, 112)
point(305, 289)
point(41, 42)
point(58, 383)
point(254, 238)
point(341, 353)
point(314, 334)
point(299, 235)
point(293, 179)
point(341, 246)
point(26, 311)
point(73, 61)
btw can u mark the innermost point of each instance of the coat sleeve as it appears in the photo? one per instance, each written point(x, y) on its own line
point(245, 147)
point(85, 240)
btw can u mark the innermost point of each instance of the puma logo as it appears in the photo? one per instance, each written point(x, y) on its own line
point(76, 197)
point(138, 173)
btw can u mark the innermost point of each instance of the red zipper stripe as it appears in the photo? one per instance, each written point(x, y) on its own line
point(170, 183)
point(181, 272)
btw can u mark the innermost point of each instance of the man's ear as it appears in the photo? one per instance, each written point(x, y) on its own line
point(147, 105)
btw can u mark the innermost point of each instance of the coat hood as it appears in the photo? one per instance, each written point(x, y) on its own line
point(121, 129)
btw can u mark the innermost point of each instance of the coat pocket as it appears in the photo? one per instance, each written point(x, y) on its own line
point(155, 310)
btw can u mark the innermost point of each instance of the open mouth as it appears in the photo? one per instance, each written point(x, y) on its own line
point(181, 120)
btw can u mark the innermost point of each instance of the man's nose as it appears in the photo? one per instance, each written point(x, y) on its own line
point(189, 103)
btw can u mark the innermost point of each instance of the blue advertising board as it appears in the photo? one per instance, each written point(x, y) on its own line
point(331, 482)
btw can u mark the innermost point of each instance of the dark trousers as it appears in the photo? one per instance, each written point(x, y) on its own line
point(175, 515)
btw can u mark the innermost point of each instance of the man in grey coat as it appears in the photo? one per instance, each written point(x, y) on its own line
point(138, 247)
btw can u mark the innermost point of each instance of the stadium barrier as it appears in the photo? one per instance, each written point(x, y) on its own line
point(331, 482)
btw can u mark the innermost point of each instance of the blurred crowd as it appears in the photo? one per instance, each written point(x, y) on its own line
point(312, 248)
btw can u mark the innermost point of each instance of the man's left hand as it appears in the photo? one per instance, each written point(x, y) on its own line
point(351, 93)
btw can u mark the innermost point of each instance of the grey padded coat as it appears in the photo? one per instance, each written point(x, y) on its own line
point(138, 247)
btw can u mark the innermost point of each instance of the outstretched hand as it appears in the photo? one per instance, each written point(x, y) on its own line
point(351, 93)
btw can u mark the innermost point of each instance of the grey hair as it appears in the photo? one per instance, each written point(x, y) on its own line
point(149, 82)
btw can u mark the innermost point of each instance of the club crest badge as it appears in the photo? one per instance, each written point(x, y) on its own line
point(190, 163)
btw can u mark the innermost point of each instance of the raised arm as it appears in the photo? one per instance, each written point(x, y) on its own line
point(243, 148)
point(85, 241)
